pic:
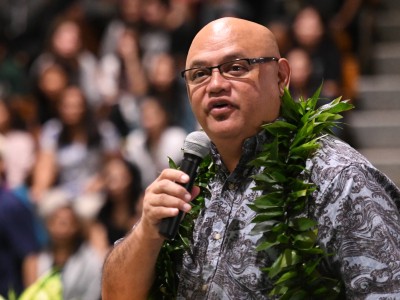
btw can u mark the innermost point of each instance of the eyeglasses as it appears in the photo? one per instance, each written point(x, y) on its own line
point(238, 68)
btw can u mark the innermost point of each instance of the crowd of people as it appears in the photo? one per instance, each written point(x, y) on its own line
point(92, 105)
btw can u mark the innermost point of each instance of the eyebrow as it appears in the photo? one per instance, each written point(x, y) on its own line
point(202, 63)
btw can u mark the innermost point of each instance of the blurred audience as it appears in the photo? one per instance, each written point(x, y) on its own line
point(155, 34)
point(18, 147)
point(150, 146)
point(91, 103)
point(73, 147)
point(301, 81)
point(123, 194)
point(167, 86)
point(282, 31)
point(49, 83)
point(129, 14)
point(310, 33)
point(69, 251)
point(17, 238)
point(65, 46)
point(123, 81)
point(210, 10)
point(13, 74)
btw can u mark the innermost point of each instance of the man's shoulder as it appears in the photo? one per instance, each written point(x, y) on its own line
point(334, 151)
point(333, 157)
point(9, 201)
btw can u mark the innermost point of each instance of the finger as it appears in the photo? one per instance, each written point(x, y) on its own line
point(157, 213)
point(170, 182)
point(171, 194)
point(195, 191)
point(165, 197)
point(174, 175)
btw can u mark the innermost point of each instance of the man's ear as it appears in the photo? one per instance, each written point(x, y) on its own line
point(283, 75)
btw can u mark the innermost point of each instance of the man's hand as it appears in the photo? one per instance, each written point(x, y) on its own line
point(164, 198)
point(128, 272)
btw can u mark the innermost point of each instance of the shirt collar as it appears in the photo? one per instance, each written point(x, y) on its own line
point(251, 147)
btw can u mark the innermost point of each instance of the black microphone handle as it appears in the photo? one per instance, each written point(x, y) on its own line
point(169, 226)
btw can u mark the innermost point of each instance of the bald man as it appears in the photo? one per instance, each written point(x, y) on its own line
point(235, 78)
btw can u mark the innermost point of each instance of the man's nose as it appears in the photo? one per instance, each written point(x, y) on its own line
point(217, 82)
point(216, 74)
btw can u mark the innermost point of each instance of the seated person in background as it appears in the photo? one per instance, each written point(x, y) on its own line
point(310, 33)
point(66, 47)
point(49, 83)
point(18, 148)
point(166, 86)
point(17, 240)
point(123, 81)
point(150, 146)
point(301, 84)
point(122, 207)
point(73, 147)
point(69, 251)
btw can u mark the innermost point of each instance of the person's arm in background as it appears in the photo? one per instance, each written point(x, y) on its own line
point(128, 48)
point(30, 270)
point(45, 170)
point(44, 173)
point(129, 269)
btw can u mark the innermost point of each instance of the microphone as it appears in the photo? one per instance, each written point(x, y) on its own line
point(195, 147)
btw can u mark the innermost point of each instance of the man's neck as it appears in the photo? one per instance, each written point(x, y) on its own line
point(230, 154)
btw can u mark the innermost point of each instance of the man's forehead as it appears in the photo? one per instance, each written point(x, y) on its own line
point(232, 34)
point(234, 29)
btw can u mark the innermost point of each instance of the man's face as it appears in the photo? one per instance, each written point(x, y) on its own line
point(234, 108)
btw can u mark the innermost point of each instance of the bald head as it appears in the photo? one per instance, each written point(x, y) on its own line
point(244, 35)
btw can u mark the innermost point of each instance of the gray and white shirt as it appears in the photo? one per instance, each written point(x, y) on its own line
point(357, 209)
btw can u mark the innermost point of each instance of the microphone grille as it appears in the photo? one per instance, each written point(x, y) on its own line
point(197, 143)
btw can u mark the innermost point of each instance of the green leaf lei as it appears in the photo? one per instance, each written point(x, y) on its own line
point(166, 282)
point(280, 209)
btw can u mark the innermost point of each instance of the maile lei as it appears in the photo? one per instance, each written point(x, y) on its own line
point(280, 216)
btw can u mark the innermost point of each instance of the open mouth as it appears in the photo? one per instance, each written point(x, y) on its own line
point(220, 105)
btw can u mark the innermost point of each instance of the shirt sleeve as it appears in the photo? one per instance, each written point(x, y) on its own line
point(49, 135)
point(111, 140)
point(359, 224)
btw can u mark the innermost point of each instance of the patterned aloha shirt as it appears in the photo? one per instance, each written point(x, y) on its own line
point(357, 209)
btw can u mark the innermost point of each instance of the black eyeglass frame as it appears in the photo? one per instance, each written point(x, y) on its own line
point(250, 61)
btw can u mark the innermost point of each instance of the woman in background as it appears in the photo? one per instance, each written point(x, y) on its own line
point(66, 47)
point(157, 140)
point(69, 252)
point(73, 147)
point(123, 200)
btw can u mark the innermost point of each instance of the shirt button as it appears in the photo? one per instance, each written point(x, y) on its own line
point(204, 287)
point(217, 236)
